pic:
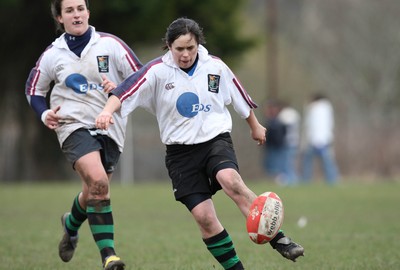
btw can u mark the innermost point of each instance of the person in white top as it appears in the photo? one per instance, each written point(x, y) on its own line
point(84, 66)
point(290, 118)
point(188, 91)
point(319, 138)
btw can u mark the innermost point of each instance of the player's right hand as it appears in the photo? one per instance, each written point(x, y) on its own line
point(104, 119)
point(107, 84)
point(51, 120)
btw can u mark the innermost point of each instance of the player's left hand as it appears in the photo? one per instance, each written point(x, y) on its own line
point(259, 134)
point(104, 119)
point(108, 85)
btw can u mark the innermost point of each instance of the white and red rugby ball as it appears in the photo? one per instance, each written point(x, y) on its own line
point(265, 217)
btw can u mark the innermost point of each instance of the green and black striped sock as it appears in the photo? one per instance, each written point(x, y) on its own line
point(101, 223)
point(76, 218)
point(221, 247)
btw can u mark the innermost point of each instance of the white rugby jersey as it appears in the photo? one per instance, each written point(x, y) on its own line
point(77, 81)
point(189, 109)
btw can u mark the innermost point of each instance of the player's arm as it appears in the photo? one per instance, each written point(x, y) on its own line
point(37, 87)
point(126, 59)
point(241, 103)
point(104, 119)
point(48, 116)
point(258, 132)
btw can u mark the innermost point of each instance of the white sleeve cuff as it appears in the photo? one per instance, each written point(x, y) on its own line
point(44, 114)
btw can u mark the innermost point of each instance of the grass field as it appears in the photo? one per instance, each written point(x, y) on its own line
point(351, 226)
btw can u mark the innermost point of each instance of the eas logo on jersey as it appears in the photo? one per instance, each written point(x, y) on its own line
point(188, 105)
point(80, 85)
point(102, 62)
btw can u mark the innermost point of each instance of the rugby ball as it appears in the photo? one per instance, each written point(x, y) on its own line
point(265, 218)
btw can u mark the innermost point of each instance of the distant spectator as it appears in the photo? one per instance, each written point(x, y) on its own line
point(319, 137)
point(290, 118)
point(273, 159)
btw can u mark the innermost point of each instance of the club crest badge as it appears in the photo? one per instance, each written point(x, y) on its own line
point(102, 62)
point(213, 83)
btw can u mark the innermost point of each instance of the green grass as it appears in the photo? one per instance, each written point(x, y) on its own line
point(351, 226)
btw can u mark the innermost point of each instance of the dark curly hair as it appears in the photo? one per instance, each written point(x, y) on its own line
point(183, 26)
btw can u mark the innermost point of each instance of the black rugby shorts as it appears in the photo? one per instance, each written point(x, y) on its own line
point(81, 142)
point(192, 168)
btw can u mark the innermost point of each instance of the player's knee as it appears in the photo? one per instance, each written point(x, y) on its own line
point(98, 189)
point(207, 221)
point(227, 175)
point(230, 181)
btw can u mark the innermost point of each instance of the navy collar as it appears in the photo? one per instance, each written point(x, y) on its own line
point(77, 43)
